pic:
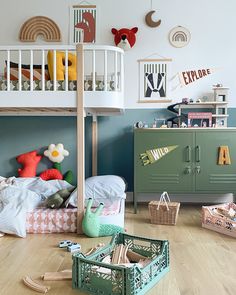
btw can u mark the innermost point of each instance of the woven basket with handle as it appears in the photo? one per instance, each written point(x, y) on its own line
point(164, 211)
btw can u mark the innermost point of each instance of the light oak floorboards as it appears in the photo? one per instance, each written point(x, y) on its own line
point(202, 262)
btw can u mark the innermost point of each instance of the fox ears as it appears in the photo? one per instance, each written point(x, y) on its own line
point(134, 30)
point(115, 31)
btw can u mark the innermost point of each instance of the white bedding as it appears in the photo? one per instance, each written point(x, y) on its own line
point(21, 195)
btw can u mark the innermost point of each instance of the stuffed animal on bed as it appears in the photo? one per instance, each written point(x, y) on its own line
point(56, 154)
point(58, 199)
point(91, 225)
point(30, 162)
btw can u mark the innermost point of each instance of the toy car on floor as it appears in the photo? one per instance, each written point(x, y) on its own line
point(65, 243)
point(74, 247)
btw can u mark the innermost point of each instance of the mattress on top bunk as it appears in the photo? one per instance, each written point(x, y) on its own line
point(64, 220)
point(60, 85)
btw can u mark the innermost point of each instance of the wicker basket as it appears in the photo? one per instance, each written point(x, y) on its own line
point(219, 223)
point(164, 211)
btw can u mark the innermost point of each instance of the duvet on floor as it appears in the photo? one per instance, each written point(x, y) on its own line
point(21, 195)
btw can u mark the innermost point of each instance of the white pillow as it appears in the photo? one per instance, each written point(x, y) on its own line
point(105, 186)
point(14, 203)
point(102, 189)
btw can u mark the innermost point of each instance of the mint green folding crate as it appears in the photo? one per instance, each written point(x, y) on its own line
point(120, 280)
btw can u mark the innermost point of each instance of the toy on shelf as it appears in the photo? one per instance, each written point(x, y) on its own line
point(179, 116)
point(30, 162)
point(200, 116)
point(218, 107)
point(125, 38)
point(91, 225)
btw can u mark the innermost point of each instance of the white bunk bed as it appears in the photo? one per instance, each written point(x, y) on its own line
point(103, 73)
point(100, 71)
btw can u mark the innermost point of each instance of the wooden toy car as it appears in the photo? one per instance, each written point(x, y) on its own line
point(65, 243)
point(74, 247)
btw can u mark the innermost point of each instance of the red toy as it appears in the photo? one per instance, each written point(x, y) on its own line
point(125, 38)
point(50, 174)
point(30, 162)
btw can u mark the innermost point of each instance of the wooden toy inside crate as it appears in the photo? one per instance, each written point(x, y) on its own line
point(91, 275)
point(217, 222)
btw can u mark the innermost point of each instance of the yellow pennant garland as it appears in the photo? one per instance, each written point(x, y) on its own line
point(152, 156)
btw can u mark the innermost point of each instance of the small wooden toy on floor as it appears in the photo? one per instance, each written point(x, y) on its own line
point(74, 247)
point(58, 275)
point(35, 286)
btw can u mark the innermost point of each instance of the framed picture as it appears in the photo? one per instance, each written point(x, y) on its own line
point(154, 80)
point(83, 23)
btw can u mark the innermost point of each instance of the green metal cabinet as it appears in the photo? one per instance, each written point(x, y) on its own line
point(192, 167)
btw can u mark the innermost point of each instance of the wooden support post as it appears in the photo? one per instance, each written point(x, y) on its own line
point(94, 145)
point(80, 136)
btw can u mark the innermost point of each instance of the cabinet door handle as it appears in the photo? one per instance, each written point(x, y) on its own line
point(187, 170)
point(198, 169)
point(188, 153)
point(198, 153)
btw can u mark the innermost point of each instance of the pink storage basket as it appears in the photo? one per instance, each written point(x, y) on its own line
point(217, 222)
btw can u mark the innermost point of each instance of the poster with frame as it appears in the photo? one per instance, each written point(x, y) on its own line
point(154, 76)
point(83, 23)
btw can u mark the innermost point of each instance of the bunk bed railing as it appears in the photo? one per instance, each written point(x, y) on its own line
point(25, 58)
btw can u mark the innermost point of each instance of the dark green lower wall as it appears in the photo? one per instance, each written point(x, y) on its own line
point(115, 145)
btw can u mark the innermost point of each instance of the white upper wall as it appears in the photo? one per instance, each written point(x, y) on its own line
point(211, 24)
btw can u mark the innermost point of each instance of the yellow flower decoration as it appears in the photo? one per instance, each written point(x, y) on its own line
point(56, 153)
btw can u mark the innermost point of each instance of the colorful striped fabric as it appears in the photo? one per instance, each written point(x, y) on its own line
point(25, 72)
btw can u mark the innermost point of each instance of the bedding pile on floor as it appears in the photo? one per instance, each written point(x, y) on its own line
point(21, 195)
point(22, 203)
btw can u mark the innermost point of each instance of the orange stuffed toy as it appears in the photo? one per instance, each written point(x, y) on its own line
point(50, 174)
point(30, 162)
point(125, 38)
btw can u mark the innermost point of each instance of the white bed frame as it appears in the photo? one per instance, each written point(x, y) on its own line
point(80, 103)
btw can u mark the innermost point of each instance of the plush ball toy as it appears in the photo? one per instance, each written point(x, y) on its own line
point(57, 200)
point(125, 38)
point(91, 225)
point(30, 162)
point(50, 174)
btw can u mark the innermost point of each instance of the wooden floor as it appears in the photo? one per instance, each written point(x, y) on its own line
point(202, 262)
